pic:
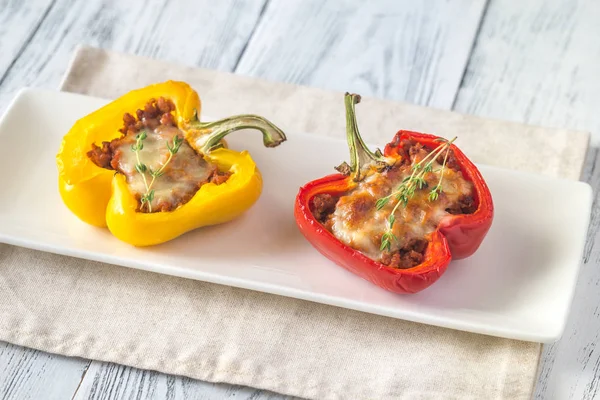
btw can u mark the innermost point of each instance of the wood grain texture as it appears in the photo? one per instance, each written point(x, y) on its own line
point(31, 374)
point(19, 20)
point(401, 50)
point(111, 381)
point(537, 62)
point(198, 33)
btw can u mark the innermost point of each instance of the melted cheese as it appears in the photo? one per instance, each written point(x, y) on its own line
point(181, 177)
point(357, 222)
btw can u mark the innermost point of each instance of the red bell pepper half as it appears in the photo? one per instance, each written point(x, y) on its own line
point(457, 236)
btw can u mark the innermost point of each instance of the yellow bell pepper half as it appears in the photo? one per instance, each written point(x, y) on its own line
point(101, 197)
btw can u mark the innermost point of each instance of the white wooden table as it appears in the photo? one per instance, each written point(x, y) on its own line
point(535, 61)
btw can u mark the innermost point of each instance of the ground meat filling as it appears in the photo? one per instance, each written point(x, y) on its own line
point(408, 256)
point(465, 205)
point(411, 251)
point(102, 156)
point(155, 113)
point(181, 175)
point(323, 205)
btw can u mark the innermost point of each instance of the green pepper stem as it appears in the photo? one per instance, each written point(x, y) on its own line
point(217, 130)
point(360, 155)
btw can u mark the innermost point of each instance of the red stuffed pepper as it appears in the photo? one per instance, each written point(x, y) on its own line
point(399, 217)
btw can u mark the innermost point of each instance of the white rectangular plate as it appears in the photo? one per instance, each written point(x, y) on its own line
point(518, 285)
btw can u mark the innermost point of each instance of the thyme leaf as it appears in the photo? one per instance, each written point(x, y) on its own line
point(147, 198)
point(174, 148)
point(142, 168)
point(410, 184)
point(381, 203)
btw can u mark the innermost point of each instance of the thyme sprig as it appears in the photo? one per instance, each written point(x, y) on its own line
point(141, 168)
point(410, 184)
point(137, 147)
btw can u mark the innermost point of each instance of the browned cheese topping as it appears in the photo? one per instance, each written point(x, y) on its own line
point(185, 170)
point(354, 219)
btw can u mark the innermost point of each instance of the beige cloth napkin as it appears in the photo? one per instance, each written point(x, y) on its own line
point(217, 333)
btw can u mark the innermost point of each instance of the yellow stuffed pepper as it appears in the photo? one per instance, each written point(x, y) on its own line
point(146, 167)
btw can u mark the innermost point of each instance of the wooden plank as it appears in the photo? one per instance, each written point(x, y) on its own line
point(111, 381)
point(31, 374)
point(19, 21)
point(407, 50)
point(538, 61)
point(197, 33)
